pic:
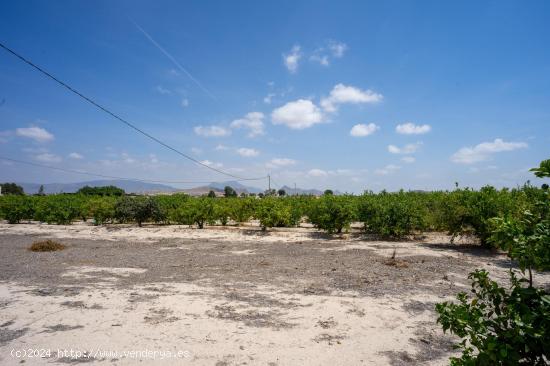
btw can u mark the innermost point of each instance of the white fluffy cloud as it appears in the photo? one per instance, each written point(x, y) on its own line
point(484, 151)
point(292, 59)
point(297, 115)
point(407, 149)
point(48, 158)
point(75, 155)
point(408, 159)
point(343, 94)
point(35, 133)
point(280, 162)
point(212, 131)
point(317, 173)
point(253, 122)
point(361, 130)
point(246, 152)
point(388, 169)
point(412, 129)
point(185, 102)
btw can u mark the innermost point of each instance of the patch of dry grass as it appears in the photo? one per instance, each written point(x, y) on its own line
point(46, 246)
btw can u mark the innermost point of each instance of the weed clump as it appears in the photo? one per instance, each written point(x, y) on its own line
point(46, 246)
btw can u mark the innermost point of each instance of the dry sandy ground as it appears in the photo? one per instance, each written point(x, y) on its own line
point(120, 295)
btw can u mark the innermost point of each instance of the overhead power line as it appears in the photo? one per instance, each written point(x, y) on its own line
point(117, 117)
point(107, 176)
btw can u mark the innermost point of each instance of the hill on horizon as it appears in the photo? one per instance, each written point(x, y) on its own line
point(131, 186)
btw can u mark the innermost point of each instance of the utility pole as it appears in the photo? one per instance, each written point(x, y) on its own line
point(269, 183)
point(295, 191)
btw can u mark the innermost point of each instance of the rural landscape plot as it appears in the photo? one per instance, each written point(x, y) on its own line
point(233, 297)
point(275, 182)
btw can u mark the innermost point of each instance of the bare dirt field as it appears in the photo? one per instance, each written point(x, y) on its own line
point(121, 295)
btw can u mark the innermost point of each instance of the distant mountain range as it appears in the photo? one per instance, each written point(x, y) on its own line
point(291, 191)
point(131, 186)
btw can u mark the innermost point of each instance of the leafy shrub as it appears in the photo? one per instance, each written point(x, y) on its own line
point(274, 212)
point(242, 209)
point(199, 211)
point(499, 327)
point(221, 211)
point(139, 209)
point(469, 212)
point(100, 209)
point(390, 214)
point(16, 208)
point(60, 209)
point(332, 213)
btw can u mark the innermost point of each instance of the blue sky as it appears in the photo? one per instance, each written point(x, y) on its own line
point(344, 95)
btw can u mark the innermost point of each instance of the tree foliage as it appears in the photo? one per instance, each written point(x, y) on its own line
point(12, 188)
point(501, 326)
point(101, 191)
point(332, 213)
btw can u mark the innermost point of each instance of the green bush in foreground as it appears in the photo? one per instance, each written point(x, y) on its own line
point(500, 326)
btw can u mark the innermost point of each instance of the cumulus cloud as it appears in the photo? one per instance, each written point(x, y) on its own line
point(484, 151)
point(75, 155)
point(361, 130)
point(48, 158)
point(246, 152)
point(297, 115)
point(253, 122)
point(412, 129)
point(292, 59)
point(280, 162)
point(408, 159)
point(388, 169)
point(221, 148)
point(185, 102)
point(317, 173)
point(37, 134)
point(212, 131)
point(343, 94)
point(407, 149)
point(196, 150)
